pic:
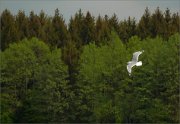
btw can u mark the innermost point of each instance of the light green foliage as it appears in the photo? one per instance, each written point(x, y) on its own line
point(110, 95)
point(34, 83)
point(98, 74)
point(153, 82)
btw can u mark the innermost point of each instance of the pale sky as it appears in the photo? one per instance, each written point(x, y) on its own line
point(122, 8)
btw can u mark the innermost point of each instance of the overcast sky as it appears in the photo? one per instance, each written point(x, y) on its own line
point(122, 8)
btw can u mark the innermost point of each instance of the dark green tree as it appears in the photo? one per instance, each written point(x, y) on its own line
point(9, 30)
point(127, 29)
point(175, 22)
point(88, 29)
point(70, 56)
point(43, 21)
point(102, 34)
point(168, 24)
point(75, 28)
point(34, 25)
point(144, 25)
point(60, 30)
point(158, 23)
point(114, 23)
point(22, 24)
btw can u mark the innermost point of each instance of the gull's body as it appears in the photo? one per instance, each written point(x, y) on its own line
point(134, 61)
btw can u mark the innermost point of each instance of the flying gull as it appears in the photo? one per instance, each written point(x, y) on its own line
point(134, 61)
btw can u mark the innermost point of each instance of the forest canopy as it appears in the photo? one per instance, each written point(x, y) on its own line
point(76, 72)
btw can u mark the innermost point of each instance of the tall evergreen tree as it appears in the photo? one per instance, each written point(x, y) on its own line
point(70, 56)
point(158, 23)
point(127, 29)
point(131, 26)
point(88, 29)
point(102, 34)
point(75, 28)
point(113, 23)
point(42, 19)
point(175, 22)
point(99, 30)
point(22, 24)
point(60, 30)
point(9, 30)
point(34, 24)
point(144, 25)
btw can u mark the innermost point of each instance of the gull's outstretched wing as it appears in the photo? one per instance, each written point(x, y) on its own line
point(136, 55)
point(129, 66)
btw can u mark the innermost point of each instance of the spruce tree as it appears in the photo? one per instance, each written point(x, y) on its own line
point(144, 25)
point(60, 30)
point(9, 30)
point(88, 29)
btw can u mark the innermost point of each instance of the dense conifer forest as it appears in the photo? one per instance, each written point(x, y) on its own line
point(76, 72)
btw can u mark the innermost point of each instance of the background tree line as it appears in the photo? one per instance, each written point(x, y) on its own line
point(83, 29)
point(77, 72)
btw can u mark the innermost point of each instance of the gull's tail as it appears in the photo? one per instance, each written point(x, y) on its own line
point(139, 63)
